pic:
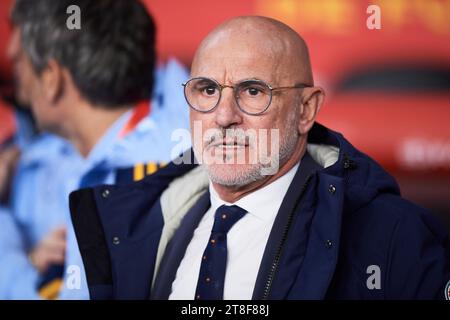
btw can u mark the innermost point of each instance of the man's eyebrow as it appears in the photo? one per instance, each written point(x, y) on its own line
point(206, 79)
point(253, 79)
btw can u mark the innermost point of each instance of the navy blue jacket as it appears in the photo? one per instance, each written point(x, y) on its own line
point(339, 230)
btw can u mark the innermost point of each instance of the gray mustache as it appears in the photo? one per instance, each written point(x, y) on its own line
point(228, 137)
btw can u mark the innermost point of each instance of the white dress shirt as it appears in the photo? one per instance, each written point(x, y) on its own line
point(246, 242)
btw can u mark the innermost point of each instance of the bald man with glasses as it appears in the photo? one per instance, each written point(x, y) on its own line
point(327, 223)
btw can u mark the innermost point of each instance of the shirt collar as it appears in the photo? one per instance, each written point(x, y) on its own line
point(102, 149)
point(263, 203)
point(45, 146)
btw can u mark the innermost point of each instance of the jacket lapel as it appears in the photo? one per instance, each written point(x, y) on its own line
point(177, 247)
point(317, 270)
point(308, 258)
point(265, 282)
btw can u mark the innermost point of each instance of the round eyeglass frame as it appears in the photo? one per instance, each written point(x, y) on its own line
point(234, 87)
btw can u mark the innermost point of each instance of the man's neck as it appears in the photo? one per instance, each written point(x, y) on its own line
point(233, 194)
point(88, 126)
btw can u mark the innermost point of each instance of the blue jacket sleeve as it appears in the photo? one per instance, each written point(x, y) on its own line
point(419, 259)
point(18, 277)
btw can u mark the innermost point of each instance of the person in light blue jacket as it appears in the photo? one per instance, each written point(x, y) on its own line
point(106, 130)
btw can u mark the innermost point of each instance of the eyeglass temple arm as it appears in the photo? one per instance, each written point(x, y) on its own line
point(297, 86)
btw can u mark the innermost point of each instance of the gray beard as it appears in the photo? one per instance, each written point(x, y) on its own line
point(253, 173)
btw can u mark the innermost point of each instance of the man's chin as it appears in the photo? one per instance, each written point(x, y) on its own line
point(234, 175)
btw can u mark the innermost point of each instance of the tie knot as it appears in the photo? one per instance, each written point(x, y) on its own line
point(226, 217)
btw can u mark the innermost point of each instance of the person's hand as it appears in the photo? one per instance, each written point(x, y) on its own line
point(8, 160)
point(50, 251)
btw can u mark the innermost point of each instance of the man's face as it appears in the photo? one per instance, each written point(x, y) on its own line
point(30, 89)
point(21, 68)
point(46, 113)
point(230, 64)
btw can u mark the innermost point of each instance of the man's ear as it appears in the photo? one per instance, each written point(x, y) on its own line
point(313, 99)
point(52, 78)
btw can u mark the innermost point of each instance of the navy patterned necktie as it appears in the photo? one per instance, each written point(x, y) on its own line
point(214, 260)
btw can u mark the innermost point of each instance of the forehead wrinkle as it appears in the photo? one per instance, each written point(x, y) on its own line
point(236, 65)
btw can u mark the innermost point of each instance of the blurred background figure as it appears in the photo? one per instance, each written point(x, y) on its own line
point(92, 122)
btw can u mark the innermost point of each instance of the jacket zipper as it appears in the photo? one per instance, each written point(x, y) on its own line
point(276, 260)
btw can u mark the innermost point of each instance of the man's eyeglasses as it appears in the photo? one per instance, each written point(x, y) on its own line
point(253, 97)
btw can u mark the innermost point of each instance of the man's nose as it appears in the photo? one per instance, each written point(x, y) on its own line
point(227, 113)
point(13, 46)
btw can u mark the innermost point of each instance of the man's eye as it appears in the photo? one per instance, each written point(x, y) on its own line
point(253, 91)
point(211, 90)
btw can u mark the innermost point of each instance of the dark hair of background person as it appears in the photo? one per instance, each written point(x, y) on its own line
point(111, 58)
